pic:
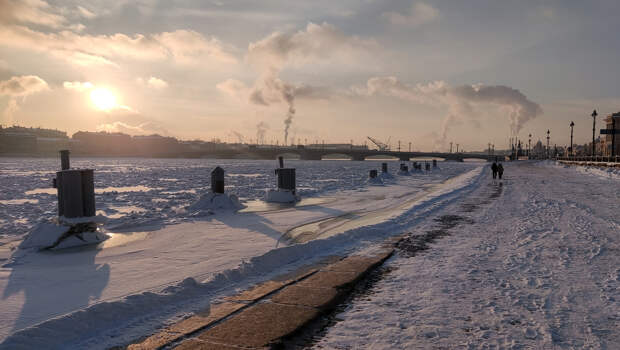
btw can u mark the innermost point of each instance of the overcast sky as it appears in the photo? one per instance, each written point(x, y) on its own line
point(427, 72)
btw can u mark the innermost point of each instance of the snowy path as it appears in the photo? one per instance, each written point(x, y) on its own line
point(538, 267)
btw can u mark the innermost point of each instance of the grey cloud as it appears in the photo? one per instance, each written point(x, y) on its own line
point(22, 86)
point(182, 46)
point(29, 11)
point(419, 13)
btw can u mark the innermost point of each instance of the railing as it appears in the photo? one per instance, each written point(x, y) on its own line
point(592, 159)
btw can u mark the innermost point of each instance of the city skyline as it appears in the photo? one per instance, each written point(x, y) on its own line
point(429, 72)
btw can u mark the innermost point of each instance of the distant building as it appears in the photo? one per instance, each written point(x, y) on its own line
point(102, 143)
point(22, 140)
point(606, 139)
point(156, 145)
point(539, 150)
point(17, 143)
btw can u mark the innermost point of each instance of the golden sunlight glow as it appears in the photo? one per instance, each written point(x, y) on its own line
point(103, 99)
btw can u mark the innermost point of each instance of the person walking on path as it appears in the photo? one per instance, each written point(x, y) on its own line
point(500, 170)
point(494, 169)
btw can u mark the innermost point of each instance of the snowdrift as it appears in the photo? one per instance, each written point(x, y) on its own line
point(210, 202)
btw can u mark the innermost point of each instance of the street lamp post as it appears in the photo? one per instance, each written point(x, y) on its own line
point(594, 114)
point(529, 146)
point(548, 132)
point(572, 124)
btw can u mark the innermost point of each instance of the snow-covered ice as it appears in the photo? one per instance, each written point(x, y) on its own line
point(533, 264)
point(161, 262)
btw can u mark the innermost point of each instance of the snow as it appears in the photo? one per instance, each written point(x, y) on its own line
point(159, 265)
point(281, 196)
point(533, 264)
point(608, 172)
point(43, 235)
point(211, 202)
point(375, 181)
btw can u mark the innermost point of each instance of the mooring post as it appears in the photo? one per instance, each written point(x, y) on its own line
point(373, 173)
point(88, 192)
point(64, 160)
point(434, 163)
point(384, 168)
point(217, 180)
point(286, 179)
point(76, 190)
point(427, 166)
point(71, 188)
point(281, 161)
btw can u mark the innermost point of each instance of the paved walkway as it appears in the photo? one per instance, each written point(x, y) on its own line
point(269, 313)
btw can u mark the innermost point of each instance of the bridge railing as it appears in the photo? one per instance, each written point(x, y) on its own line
point(591, 159)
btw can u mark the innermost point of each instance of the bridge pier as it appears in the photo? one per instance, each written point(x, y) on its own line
point(310, 156)
point(358, 157)
point(404, 158)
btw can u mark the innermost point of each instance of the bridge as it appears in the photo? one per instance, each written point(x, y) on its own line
point(358, 154)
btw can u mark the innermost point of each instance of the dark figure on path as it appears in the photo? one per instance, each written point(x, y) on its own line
point(494, 169)
point(500, 170)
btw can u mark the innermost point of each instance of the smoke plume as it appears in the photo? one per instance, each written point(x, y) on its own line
point(238, 135)
point(261, 129)
point(462, 101)
point(272, 54)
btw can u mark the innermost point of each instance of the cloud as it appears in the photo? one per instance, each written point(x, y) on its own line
point(156, 83)
point(318, 42)
point(462, 101)
point(84, 12)
point(22, 86)
point(419, 13)
point(19, 87)
point(182, 46)
point(147, 128)
point(77, 85)
point(234, 88)
point(29, 11)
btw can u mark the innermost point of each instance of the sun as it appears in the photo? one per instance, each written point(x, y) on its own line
point(103, 99)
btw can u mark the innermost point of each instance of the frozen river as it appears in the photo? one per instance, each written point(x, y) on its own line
point(143, 190)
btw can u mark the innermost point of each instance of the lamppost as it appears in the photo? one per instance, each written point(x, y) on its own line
point(409, 147)
point(529, 146)
point(548, 132)
point(572, 124)
point(594, 114)
point(450, 147)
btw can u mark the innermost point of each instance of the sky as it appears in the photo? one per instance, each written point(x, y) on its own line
point(421, 72)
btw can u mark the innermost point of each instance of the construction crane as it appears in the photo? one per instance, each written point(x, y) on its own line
point(382, 146)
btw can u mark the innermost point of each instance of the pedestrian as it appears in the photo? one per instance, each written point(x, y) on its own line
point(494, 169)
point(500, 170)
